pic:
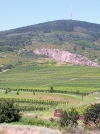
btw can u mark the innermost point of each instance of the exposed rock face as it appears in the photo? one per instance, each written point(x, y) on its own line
point(66, 56)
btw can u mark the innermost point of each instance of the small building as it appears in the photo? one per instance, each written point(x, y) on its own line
point(57, 112)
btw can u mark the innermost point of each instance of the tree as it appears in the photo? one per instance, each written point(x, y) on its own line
point(6, 91)
point(0, 69)
point(92, 113)
point(83, 48)
point(51, 90)
point(64, 119)
point(17, 92)
point(8, 66)
point(69, 117)
point(33, 92)
point(19, 63)
point(75, 48)
point(9, 112)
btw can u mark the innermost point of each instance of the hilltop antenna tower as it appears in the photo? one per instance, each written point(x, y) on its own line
point(71, 13)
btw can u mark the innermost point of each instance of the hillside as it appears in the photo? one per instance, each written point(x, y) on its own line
point(46, 67)
point(65, 56)
point(76, 37)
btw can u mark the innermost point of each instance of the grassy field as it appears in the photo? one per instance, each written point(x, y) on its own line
point(66, 101)
point(42, 77)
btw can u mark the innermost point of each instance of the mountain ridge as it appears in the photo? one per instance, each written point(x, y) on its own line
point(77, 37)
point(54, 21)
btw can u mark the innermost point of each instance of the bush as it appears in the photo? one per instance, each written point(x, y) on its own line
point(69, 117)
point(8, 66)
point(8, 111)
point(26, 120)
point(17, 92)
point(0, 69)
point(92, 113)
point(51, 90)
point(6, 91)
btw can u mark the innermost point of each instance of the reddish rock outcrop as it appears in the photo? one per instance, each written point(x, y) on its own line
point(66, 56)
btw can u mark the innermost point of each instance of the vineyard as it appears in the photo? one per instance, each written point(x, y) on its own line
point(45, 102)
point(43, 88)
point(61, 78)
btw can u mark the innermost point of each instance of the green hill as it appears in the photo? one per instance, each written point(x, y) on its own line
point(70, 35)
point(62, 78)
point(23, 69)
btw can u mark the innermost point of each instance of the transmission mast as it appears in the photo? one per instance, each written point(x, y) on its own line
point(71, 13)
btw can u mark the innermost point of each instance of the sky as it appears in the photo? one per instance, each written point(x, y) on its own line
point(19, 13)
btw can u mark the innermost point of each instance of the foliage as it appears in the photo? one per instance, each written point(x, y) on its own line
point(69, 35)
point(92, 113)
point(0, 69)
point(33, 92)
point(14, 42)
point(51, 90)
point(17, 92)
point(38, 122)
point(6, 91)
point(9, 66)
point(9, 112)
point(19, 63)
point(64, 79)
point(69, 117)
point(87, 44)
point(54, 32)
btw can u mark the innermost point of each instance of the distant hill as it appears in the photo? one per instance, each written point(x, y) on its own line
point(69, 35)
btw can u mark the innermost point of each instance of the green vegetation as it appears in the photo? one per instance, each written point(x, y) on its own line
point(51, 123)
point(38, 84)
point(92, 113)
point(69, 117)
point(9, 112)
point(63, 79)
point(74, 36)
point(50, 86)
point(44, 104)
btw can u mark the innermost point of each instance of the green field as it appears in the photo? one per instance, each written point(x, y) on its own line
point(73, 79)
point(64, 78)
point(46, 103)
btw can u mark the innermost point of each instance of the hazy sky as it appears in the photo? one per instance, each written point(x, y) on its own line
point(18, 13)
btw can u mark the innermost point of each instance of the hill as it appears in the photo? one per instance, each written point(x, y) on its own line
point(67, 35)
point(49, 64)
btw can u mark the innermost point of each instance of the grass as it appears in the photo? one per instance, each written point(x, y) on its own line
point(68, 78)
point(71, 100)
point(45, 96)
point(83, 79)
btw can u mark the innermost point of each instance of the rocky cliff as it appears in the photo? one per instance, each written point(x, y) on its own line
point(65, 56)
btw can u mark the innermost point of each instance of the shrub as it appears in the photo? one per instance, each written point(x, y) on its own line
point(8, 111)
point(7, 66)
point(92, 113)
point(26, 120)
point(69, 117)
point(17, 92)
point(33, 92)
point(64, 119)
point(0, 69)
point(6, 91)
point(73, 116)
point(51, 90)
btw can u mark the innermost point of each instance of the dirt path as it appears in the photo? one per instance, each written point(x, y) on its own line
point(25, 129)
